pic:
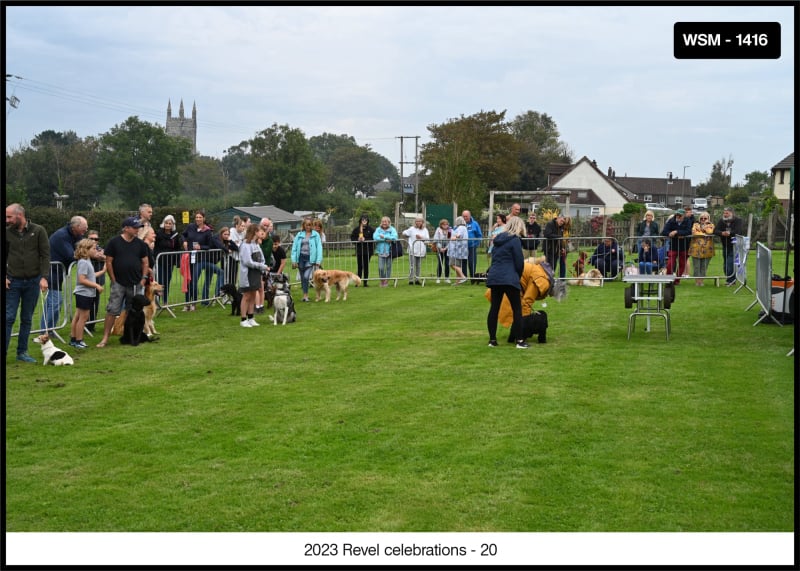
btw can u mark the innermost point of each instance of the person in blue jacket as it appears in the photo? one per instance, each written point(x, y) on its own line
point(384, 235)
point(475, 235)
point(306, 254)
point(503, 279)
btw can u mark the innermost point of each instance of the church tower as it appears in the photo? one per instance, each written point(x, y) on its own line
point(180, 126)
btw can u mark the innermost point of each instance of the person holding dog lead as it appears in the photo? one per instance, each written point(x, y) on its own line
point(127, 268)
point(26, 253)
point(251, 266)
point(503, 279)
point(306, 254)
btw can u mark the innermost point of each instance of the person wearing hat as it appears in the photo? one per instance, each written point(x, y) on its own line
point(678, 230)
point(727, 228)
point(362, 235)
point(127, 268)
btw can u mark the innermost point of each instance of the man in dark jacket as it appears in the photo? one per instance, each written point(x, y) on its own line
point(678, 230)
point(26, 254)
point(555, 249)
point(608, 258)
point(532, 232)
point(62, 250)
point(727, 228)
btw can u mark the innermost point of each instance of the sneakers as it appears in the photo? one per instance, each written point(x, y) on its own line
point(493, 343)
point(522, 345)
point(245, 323)
point(25, 358)
point(461, 281)
point(438, 281)
point(447, 281)
point(253, 322)
point(79, 344)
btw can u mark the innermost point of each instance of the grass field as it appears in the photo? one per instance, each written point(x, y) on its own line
point(389, 413)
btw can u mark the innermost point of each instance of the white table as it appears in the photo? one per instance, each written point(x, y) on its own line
point(653, 295)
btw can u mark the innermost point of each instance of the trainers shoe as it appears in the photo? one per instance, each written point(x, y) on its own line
point(24, 357)
point(245, 323)
point(493, 343)
point(78, 344)
point(447, 281)
point(253, 323)
point(522, 345)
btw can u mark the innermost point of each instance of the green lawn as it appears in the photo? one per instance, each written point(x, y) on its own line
point(389, 413)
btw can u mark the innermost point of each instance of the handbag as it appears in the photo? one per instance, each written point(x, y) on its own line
point(396, 249)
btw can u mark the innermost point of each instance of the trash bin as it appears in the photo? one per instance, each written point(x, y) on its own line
point(782, 299)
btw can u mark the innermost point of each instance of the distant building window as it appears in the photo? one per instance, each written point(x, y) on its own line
point(678, 200)
point(781, 177)
point(595, 211)
point(582, 194)
point(648, 198)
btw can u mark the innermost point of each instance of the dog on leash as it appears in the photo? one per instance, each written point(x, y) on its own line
point(235, 297)
point(324, 279)
point(151, 290)
point(282, 302)
point(478, 278)
point(52, 354)
point(533, 324)
point(133, 326)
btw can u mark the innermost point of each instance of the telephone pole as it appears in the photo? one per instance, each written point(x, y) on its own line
point(416, 172)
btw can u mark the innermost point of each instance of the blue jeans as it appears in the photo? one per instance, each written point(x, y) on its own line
point(52, 310)
point(306, 269)
point(25, 292)
point(208, 268)
point(727, 263)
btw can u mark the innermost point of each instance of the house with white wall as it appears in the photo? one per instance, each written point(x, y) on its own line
point(781, 175)
point(591, 193)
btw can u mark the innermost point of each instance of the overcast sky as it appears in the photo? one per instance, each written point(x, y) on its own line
point(605, 74)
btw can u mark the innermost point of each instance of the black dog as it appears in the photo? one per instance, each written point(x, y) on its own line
point(533, 324)
point(133, 333)
point(235, 296)
point(478, 278)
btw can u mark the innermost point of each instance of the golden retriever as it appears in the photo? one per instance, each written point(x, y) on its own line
point(592, 278)
point(152, 289)
point(324, 279)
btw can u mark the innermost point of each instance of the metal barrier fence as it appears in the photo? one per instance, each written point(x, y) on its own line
point(195, 278)
point(763, 284)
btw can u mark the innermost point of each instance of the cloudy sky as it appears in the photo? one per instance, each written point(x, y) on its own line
point(605, 74)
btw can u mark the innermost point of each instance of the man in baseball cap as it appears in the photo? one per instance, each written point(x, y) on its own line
point(132, 221)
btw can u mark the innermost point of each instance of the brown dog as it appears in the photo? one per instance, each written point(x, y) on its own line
point(152, 289)
point(579, 264)
point(324, 279)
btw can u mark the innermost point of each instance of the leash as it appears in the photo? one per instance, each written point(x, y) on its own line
point(43, 298)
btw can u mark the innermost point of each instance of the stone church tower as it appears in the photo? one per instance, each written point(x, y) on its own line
point(180, 126)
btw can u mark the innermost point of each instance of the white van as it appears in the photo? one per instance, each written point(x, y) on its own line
point(699, 203)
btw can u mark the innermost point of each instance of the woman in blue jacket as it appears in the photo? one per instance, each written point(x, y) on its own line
point(384, 236)
point(503, 279)
point(306, 254)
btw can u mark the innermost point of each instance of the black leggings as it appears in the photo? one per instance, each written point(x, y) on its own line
point(513, 295)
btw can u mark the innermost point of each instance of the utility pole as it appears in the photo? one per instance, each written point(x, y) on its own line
point(683, 180)
point(414, 162)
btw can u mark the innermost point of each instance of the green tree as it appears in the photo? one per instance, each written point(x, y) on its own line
point(141, 162)
point(719, 182)
point(350, 166)
point(55, 163)
point(540, 146)
point(285, 171)
point(467, 157)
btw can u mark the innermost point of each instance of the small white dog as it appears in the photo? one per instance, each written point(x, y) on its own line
point(52, 354)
